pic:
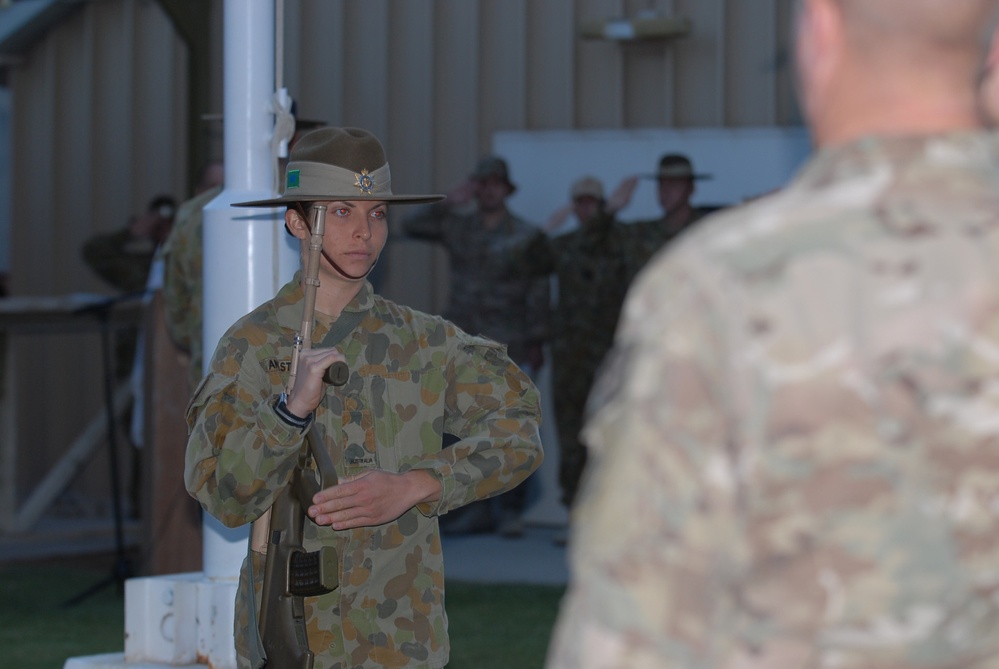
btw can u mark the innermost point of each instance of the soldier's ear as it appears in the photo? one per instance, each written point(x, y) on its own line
point(295, 223)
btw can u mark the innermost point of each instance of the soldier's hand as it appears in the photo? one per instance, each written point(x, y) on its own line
point(372, 498)
point(309, 387)
point(558, 218)
point(621, 196)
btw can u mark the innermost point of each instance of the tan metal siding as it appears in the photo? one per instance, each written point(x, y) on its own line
point(99, 115)
point(97, 130)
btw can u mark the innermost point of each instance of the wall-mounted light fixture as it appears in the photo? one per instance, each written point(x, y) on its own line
point(646, 26)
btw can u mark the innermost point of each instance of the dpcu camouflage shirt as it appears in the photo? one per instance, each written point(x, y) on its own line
point(413, 377)
point(797, 442)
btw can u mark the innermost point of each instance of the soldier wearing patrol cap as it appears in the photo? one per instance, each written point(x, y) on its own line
point(589, 264)
point(412, 378)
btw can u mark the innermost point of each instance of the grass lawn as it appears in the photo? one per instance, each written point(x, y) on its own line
point(37, 629)
point(491, 626)
point(500, 626)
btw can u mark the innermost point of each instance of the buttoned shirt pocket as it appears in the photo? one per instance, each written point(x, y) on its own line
point(414, 405)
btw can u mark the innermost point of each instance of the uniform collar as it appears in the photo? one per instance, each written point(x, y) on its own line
point(288, 302)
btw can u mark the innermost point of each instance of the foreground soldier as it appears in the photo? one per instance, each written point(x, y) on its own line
point(413, 377)
point(795, 454)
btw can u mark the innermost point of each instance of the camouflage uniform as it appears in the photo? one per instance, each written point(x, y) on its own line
point(123, 261)
point(413, 377)
point(183, 280)
point(795, 450)
point(590, 266)
point(513, 310)
point(642, 239)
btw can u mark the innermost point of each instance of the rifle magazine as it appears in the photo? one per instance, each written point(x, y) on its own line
point(315, 573)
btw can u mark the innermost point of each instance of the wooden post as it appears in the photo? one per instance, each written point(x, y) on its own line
point(172, 518)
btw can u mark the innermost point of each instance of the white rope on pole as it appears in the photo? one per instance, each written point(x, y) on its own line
point(284, 120)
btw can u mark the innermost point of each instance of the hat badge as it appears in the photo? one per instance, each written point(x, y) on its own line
point(364, 182)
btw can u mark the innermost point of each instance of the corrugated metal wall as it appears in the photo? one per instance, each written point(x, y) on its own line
point(98, 129)
point(99, 101)
point(99, 109)
point(436, 78)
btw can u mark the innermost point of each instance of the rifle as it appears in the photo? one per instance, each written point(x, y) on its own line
point(291, 573)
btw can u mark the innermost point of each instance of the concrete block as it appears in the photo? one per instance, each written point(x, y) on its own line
point(161, 619)
point(117, 661)
point(215, 622)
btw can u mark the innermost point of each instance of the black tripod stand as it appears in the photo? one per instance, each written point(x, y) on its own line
point(122, 568)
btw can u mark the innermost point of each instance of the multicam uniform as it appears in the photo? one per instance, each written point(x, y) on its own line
point(796, 453)
point(413, 377)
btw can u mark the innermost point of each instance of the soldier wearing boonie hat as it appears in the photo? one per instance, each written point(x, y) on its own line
point(413, 377)
point(509, 308)
point(493, 167)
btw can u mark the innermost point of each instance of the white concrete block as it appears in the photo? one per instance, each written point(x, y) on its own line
point(117, 661)
point(216, 618)
point(160, 619)
point(177, 621)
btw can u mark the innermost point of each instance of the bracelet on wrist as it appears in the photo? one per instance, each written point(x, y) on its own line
point(282, 411)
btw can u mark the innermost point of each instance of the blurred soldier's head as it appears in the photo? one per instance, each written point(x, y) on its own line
point(891, 67)
point(587, 196)
point(491, 183)
point(675, 178)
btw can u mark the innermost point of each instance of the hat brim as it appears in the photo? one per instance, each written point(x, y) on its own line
point(391, 199)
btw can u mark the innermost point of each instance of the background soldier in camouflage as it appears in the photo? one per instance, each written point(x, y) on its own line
point(589, 263)
point(795, 454)
point(183, 274)
point(123, 259)
point(412, 377)
point(675, 179)
point(512, 309)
